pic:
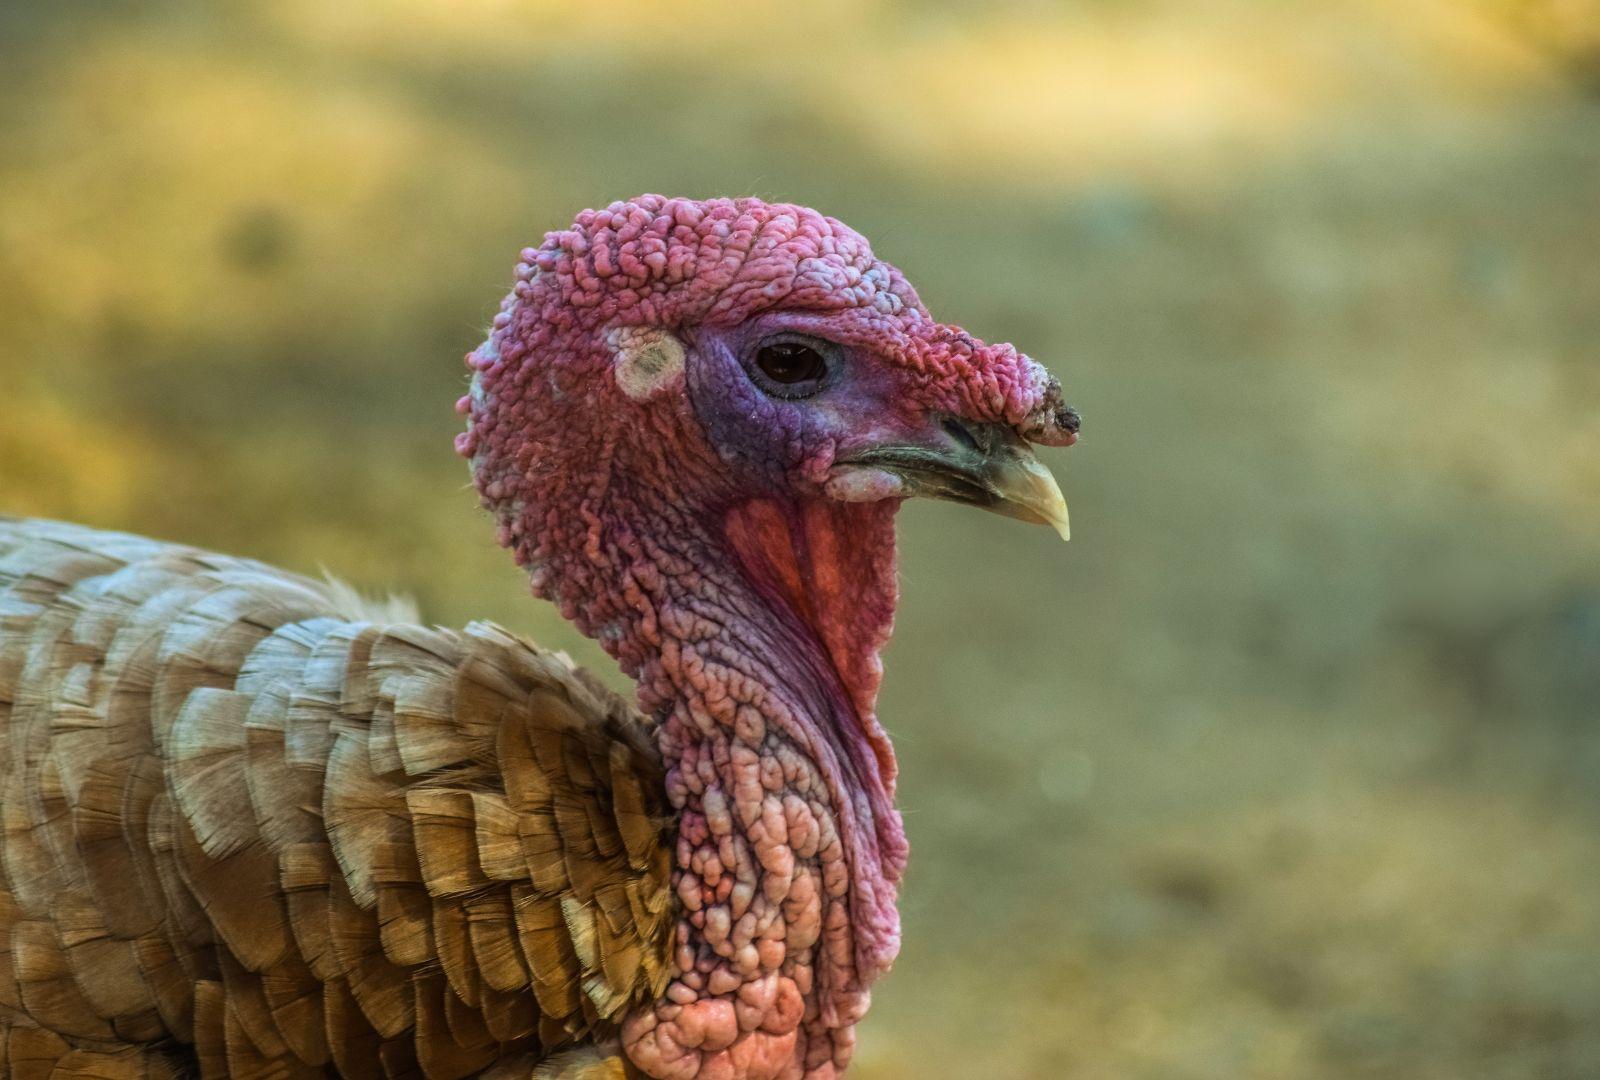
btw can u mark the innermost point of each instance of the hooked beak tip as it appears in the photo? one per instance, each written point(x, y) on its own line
point(1025, 489)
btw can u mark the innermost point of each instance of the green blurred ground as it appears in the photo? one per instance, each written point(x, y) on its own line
point(1288, 766)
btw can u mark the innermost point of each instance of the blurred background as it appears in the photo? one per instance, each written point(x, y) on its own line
point(1288, 766)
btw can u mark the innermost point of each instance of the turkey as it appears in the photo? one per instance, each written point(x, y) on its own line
point(255, 828)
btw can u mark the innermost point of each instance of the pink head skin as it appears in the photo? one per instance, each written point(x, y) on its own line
point(694, 421)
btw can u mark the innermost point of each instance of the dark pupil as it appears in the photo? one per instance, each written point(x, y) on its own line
point(790, 362)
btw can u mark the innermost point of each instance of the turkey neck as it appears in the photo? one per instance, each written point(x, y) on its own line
point(762, 667)
point(824, 576)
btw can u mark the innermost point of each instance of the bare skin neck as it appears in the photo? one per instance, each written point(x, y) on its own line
point(762, 665)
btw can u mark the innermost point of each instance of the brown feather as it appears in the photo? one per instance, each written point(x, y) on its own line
point(32, 1052)
point(235, 820)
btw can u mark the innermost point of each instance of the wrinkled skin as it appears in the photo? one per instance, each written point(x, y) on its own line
point(703, 530)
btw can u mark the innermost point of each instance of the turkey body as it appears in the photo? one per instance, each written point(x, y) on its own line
point(249, 829)
point(248, 832)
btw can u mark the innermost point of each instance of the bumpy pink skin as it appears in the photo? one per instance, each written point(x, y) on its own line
point(693, 534)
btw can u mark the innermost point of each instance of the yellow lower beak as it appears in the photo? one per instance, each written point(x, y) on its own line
point(1026, 490)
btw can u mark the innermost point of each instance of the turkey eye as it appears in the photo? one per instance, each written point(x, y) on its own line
point(791, 362)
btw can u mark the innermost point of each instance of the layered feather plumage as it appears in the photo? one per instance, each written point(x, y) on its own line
point(246, 827)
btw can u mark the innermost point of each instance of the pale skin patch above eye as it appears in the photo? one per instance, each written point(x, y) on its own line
point(648, 360)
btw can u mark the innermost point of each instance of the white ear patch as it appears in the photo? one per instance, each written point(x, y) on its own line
point(648, 360)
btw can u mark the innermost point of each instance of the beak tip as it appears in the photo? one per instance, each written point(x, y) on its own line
point(1031, 487)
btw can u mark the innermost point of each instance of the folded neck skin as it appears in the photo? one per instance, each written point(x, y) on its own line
point(789, 846)
point(754, 631)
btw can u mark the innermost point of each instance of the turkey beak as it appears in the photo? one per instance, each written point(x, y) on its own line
point(984, 465)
